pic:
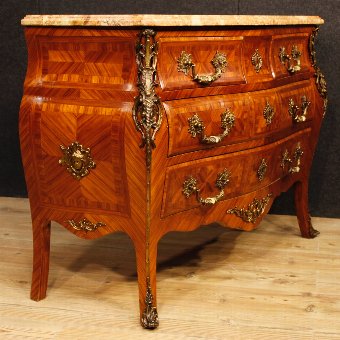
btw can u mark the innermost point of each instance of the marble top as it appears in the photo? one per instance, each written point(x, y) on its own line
point(168, 20)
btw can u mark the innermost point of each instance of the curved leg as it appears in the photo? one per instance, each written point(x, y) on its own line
point(147, 284)
point(301, 206)
point(41, 257)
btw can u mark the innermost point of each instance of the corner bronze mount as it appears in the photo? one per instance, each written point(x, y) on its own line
point(196, 127)
point(78, 161)
point(149, 319)
point(185, 64)
point(320, 80)
point(147, 114)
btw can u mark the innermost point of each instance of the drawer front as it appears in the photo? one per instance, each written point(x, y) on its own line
point(279, 109)
point(197, 124)
point(193, 123)
point(176, 54)
point(290, 55)
point(89, 174)
point(195, 184)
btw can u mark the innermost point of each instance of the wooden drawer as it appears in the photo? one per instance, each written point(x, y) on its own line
point(254, 114)
point(246, 171)
point(290, 55)
point(272, 107)
point(201, 51)
point(184, 115)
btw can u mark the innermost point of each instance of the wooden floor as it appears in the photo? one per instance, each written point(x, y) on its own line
point(213, 283)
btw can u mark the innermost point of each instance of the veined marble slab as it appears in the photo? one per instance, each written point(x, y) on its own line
point(168, 20)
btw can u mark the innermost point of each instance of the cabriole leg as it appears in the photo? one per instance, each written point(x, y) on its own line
point(41, 257)
point(301, 206)
point(146, 271)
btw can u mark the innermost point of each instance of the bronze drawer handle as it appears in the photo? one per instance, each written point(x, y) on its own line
point(185, 64)
point(253, 211)
point(292, 62)
point(190, 187)
point(196, 127)
point(295, 161)
point(294, 110)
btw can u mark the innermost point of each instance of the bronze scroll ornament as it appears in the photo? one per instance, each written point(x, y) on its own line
point(85, 225)
point(253, 211)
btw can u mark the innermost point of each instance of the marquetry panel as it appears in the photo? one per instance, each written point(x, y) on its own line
point(209, 110)
point(288, 42)
point(202, 52)
point(97, 128)
point(104, 61)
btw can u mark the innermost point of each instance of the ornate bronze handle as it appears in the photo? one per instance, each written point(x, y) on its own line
point(196, 127)
point(292, 61)
point(185, 64)
point(294, 110)
point(190, 187)
point(78, 161)
point(295, 161)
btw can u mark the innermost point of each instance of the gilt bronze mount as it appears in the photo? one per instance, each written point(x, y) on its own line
point(78, 161)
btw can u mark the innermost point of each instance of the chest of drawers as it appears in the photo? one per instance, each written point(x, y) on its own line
point(149, 124)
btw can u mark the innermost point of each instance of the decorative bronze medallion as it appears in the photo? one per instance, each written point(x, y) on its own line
point(268, 113)
point(78, 161)
point(256, 60)
point(261, 171)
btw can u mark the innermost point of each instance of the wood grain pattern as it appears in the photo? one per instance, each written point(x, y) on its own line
point(80, 86)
